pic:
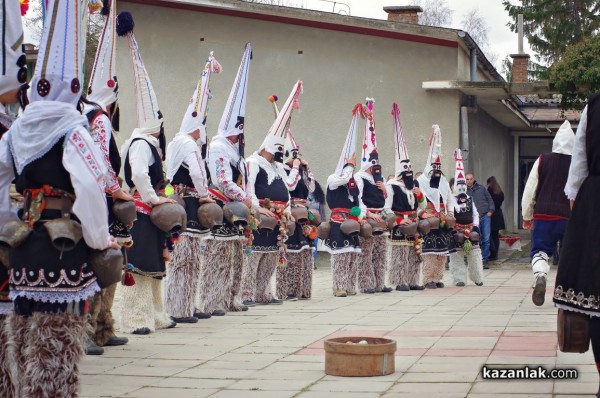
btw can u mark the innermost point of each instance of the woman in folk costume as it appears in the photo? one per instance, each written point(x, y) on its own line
point(403, 200)
point(102, 111)
point(370, 183)
point(438, 242)
point(57, 168)
point(222, 259)
point(268, 184)
point(467, 232)
point(187, 173)
point(13, 84)
point(342, 199)
point(142, 309)
point(295, 279)
point(578, 277)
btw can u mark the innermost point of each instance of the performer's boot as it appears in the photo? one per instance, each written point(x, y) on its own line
point(53, 347)
point(540, 268)
point(458, 269)
point(475, 266)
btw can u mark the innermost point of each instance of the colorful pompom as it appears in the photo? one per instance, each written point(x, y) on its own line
point(125, 23)
point(24, 6)
point(94, 5)
point(127, 279)
point(273, 98)
point(355, 211)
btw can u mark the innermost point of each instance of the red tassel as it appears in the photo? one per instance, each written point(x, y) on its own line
point(128, 279)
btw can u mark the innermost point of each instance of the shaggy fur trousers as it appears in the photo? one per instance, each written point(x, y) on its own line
point(256, 280)
point(101, 319)
point(344, 271)
point(41, 354)
point(404, 265)
point(142, 305)
point(295, 279)
point(183, 276)
point(371, 268)
point(433, 268)
point(474, 266)
point(221, 259)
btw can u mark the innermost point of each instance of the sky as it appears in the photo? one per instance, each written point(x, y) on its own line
point(502, 40)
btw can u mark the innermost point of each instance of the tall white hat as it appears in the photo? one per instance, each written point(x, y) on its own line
point(460, 180)
point(232, 121)
point(58, 74)
point(349, 148)
point(13, 67)
point(275, 140)
point(402, 160)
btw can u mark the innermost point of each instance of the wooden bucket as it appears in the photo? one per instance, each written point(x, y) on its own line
point(377, 358)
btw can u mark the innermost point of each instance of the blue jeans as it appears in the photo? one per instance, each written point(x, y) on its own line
point(545, 235)
point(315, 251)
point(485, 227)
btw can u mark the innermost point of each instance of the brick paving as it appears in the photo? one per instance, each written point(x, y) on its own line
point(443, 336)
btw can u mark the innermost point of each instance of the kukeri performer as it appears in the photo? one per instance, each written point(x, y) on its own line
point(372, 195)
point(13, 86)
point(222, 258)
point(294, 281)
point(340, 234)
point(438, 242)
point(467, 232)
point(142, 310)
point(268, 185)
point(57, 168)
point(187, 173)
point(404, 198)
point(102, 111)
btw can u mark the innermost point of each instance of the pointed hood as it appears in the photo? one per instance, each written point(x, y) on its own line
point(148, 116)
point(13, 68)
point(58, 74)
point(434, 158)
point(369, 145)
point(292, 148)
point(275, 140)
point(195, 115)
point(432, 183)
point(232, 121)
point(402, 160)
point(460, 180)
point(103, 87)
point(349, 148)
point(564, 139)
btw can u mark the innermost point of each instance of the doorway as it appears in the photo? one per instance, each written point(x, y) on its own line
point(530, 148)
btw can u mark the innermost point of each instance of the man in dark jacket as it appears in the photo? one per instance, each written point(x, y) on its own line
point(485, 208)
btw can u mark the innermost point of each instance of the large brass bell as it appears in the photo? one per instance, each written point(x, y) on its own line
point(378, 227)
point(210, 215)
point(316, 217)
point(474, 236)
point(434, 222)
point(300, 214)
point(107, 266)
point(236, 213)
point(64, 233)
point(291, 227)
point(350, 227)
point(124, 211)
point(323, 230)
point(366, 230)
point(459, 238)
point(267, 223)
point(408, 230)
point(169, 217)
point(424, 227)
point(450, 222)
point(13, 233)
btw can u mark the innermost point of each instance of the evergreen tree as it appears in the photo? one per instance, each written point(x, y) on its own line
point(552, 25)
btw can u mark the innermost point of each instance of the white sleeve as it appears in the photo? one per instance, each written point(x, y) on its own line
point(389, 200)
point(87, 171)
point(528, 201)
point(253, 169)
point(197, 173)
point(220, 173)
point(451, 204)
point(140, 158)
point(7, 174)
point(475, 214)
point(292, 179)
point(335, 181)
point(578, 171)
point(101, 132)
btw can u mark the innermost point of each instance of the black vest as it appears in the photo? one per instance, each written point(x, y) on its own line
point(592, 138)
point(276, 191)
point(400, 202)
point(183, 177)
point(372, 196)
point(155, 171)
point(339, 197)
point(46, 170)
point(550, 198)
point(465, 215)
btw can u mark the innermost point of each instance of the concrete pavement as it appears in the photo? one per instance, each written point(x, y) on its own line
point(444, 337)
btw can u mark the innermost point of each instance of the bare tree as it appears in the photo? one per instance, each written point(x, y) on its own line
point(475, 24)
point(435, 12)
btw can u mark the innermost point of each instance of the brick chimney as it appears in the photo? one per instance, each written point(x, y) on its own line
point(519, 68)
point(404, 14)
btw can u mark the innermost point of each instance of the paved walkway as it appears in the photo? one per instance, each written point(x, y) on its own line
point(444, 338)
